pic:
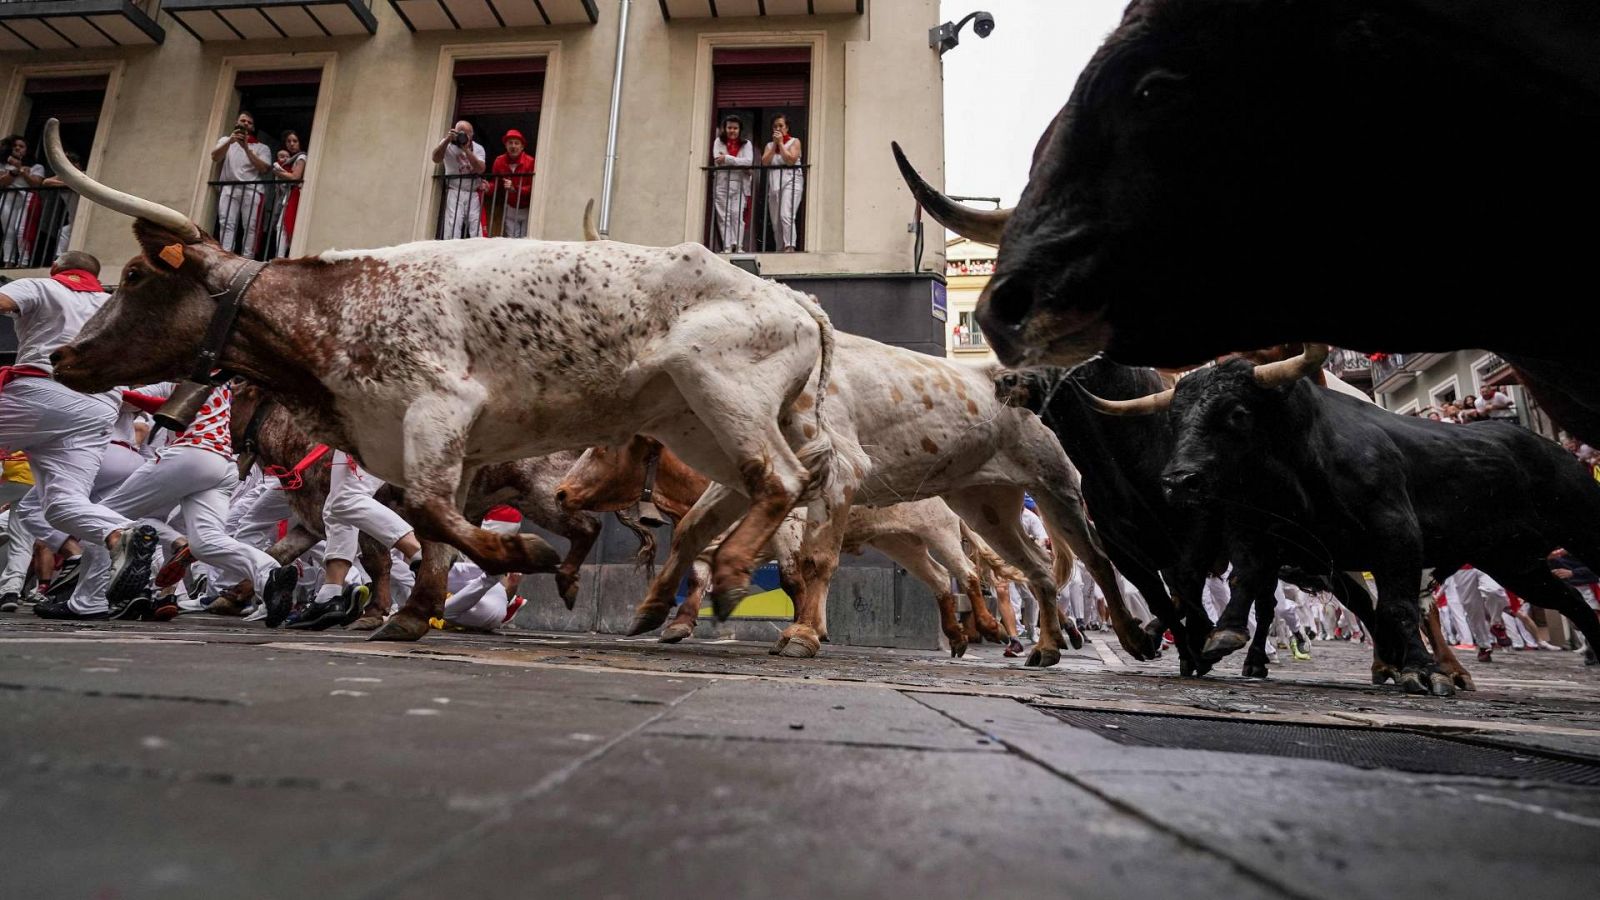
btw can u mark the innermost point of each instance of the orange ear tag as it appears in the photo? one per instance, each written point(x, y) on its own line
point(172, 255)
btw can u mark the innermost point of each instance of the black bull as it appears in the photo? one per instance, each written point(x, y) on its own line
point(1231, 174)
point(1334, 484)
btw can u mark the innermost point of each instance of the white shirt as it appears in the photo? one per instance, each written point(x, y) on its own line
point(455, 163)
point(236, 162)
point(49, 315)
point(1033, 526)
point(745, 157)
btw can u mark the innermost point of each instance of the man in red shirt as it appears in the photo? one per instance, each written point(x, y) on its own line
point(513, 185)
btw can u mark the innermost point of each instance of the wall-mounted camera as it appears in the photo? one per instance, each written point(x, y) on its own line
point(947, 36)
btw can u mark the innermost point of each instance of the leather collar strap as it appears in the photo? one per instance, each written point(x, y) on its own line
point(221, 327)
point(651, 461)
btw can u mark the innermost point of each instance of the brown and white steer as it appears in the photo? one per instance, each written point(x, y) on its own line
point(433, 359)
point(924, 536)
point(929, 428)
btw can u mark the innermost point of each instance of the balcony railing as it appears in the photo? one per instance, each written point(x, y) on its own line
point(755, 209)
point(255, 218)
point(1346, 362)
point(1387, 367)
point(969, 339)
point(483, 206)
point(35, 225)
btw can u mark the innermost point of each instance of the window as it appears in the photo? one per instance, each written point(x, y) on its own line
point(1445, 392)
point(36, 219)
point(966, 331)
point(759, 207)
point(501, 99)
point(254, 211)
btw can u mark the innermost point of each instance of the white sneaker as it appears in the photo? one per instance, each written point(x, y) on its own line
point(190, 604)
point(256, 613)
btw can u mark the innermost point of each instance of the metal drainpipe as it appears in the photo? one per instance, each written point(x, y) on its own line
point(616, 110)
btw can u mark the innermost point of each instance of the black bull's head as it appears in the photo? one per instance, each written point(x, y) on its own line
point(1238, 173)
point(152, 327)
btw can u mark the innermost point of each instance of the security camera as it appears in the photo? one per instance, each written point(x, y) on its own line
point(947, 36)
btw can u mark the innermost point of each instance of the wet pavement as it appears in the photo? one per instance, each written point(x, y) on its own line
point(205, 758)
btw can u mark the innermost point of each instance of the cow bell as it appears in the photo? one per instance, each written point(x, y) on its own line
point(179, 411)
point(648, 515)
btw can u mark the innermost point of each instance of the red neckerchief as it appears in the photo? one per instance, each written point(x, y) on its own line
point(78, 280)
point(734, 146)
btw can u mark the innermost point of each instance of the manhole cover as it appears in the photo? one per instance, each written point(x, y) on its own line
point(1363, 748)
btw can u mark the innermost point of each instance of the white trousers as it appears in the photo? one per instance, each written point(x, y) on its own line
point(785, 189)
point(198, 481)
point(730, 191)
point(350, 511)
point(14, 249)
point(19, 553)
point(480, 604)
point(65, 435)
point(462, 209)
point(239, 217)
point(515, 222)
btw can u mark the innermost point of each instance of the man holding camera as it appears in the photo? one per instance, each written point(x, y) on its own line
point(245, 163)
point(463, 159)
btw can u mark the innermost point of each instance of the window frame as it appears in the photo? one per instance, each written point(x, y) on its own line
point(221, 104)
point(695, 208)
point(11, 111)
point(444, 105)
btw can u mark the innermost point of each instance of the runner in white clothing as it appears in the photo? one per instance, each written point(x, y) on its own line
point(65, 433)
point(480, 601)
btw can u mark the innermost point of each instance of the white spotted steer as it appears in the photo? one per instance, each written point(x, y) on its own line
point(430, 360)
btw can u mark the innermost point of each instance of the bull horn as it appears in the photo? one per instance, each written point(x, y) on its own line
point(1290, 370)
point(97, 193)
point(972, 224)
point(1148, 405)
point(590, 232)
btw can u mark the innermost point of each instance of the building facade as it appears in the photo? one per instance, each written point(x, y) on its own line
point(1424, 383)
point(967, 269)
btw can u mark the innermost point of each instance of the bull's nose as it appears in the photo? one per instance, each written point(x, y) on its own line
point(1180, 481)
point(561, 497)
point(1009, 303)
point(56, 358)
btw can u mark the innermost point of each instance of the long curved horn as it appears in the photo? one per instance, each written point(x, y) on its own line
point(1294, 368)
point(590, 232)
point(973, 224)
point(1148, 405)
point(95, 192)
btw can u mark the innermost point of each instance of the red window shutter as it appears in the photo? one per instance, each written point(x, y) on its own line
point(498, 96)
point(767, 77)
point(764, 56)
point(271, 77)
point(471, 68)
point(71, 84)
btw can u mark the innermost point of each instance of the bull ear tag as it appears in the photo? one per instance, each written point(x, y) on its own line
point(172, 255)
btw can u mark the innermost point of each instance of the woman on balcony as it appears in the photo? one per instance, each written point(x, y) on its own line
point(15, 177)
point(786, 183)
point(730, 185)
point(292, 172)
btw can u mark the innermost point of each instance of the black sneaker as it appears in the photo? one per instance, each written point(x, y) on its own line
point(358, 605)
point(130, 564)
point(164, 608)
point(279, 594)
point(136, 609)
point(66, 577)
point(320, 614)
point(10, 601)
point(58, 609)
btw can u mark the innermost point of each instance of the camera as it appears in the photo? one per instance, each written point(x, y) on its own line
point(461, 139)
point(983, 24)
point(947, 37)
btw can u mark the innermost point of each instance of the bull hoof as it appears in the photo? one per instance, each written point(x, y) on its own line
point(1074, 636)
point(567, 585)
point(958, 646)
point(675, 632)
point(370, 622)
point(648, 618)
point(1412, 682)
point(1463, 680)
point(724, 602)
point(1440, 685)
point(797, 644)
point(1254, 670)
point(990, 631)
point(1043, 657)
point(402, 626)
point(1223, 641)
point(1185, 668)
point(1382, 675)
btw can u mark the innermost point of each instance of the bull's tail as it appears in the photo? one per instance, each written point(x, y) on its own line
point(830, 458)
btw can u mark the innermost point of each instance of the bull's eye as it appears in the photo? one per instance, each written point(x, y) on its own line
point(1238, 418)
point(1157, 86)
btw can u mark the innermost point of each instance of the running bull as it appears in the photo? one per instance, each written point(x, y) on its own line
point(1334, 484)
point(431, 360)
point(1218, 156)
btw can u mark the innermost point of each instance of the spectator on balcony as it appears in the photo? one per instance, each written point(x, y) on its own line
point(69, 204)
point(786, 183)
point(463, 160)
point(1496, 404)
point(246, 165)
point(513, 185)
point(732, 156)
point(16, 176)
point(290, 170)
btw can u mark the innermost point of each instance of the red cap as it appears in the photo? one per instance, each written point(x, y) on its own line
point(513, 133)
point(502, 514)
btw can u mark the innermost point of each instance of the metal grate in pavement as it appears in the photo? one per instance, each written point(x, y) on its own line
point(1364, 748)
